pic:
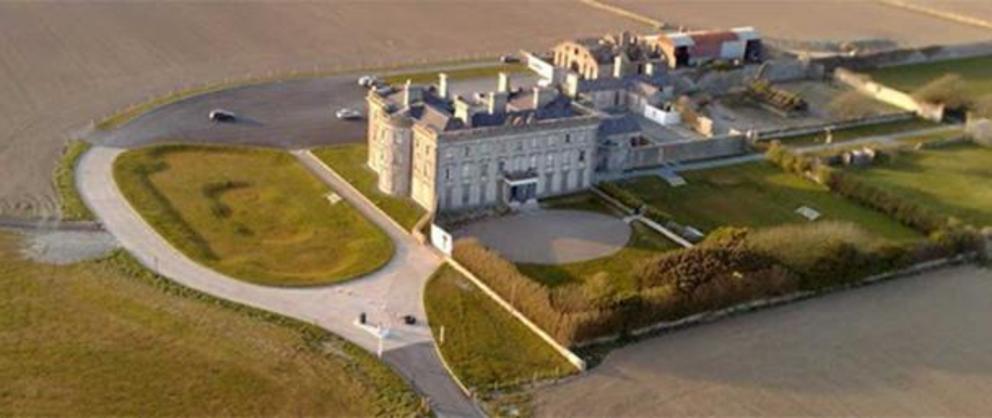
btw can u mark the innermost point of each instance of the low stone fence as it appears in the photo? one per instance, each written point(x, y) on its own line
point(685, 151)
point(891, 58)
point(865, 85)
point(769, 134)
point(576, 361)
point(706, 317)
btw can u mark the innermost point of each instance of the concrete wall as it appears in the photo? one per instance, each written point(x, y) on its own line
point(684, 151)
point(722, 82)
point(864, 84)
point(908, 56)
point(769, 134)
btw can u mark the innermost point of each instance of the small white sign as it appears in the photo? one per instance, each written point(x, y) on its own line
point(441, 239)
point(808, 213)
point(333, 198)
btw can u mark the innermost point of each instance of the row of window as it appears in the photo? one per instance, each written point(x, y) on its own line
point(506, 146)
point(519, 164)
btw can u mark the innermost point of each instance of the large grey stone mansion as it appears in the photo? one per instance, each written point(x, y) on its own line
point(605, 106)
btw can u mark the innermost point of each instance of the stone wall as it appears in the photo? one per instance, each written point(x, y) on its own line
point(790, 132)
point(907, 56)
point(684, 151)
point(865, 85)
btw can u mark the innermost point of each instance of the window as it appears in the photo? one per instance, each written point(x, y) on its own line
point(448, 154)
point(533, 162)
point(568, 138)
point(467, 150)
point(466, 171)
point(502, 166)
point(520, 146)
point(582, 156)
point(447, 173)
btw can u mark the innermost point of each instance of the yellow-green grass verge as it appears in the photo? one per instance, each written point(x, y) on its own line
point(109, 338)
point(932, 137)
point(860, 132)
point(757, 195)
point(251, 213)
point(486, 347)
point(349, 161)
point(644, 243)
point(71, 204)
point(974, 71)
point(953, 180)
point(426, 77)
point(129, 113)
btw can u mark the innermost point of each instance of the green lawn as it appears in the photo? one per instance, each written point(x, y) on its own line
point(70, 203)
point(861, 132)
point(108, 338)
point(254, 214)
point(975, 71)
point(756, 195)
point(955, 180)
point(483, 343)
point(643, 244)
point(428, 77)
point(350, 162)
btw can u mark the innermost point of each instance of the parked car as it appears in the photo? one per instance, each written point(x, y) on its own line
point(508, 59)
point(221, 115)
point(368, 81)
point(348, 114)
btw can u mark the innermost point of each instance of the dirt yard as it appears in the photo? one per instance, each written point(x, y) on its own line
point(917, 346)
point(835, 20)
point(63, 65)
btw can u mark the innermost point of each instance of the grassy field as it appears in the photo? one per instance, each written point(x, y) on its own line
point(644, 242)
point(70, 203)
point(254, 214)
point(955, 180)
point(427, 77)
point(860, 132)
point(108, 338)
point(975, 72)
point(483, 343)
point(755, 195)
point(349, 162)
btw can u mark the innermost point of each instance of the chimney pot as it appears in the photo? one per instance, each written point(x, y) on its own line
point(442, 85)
point(504, 83)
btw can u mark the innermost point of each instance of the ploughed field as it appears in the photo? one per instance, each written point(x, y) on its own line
point(756, 195)
point(917, 346)
point(254, 214)
point(108, 338)
point(956, 180)
point(63, 65)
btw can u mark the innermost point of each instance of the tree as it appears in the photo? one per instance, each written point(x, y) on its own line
point(949, 90)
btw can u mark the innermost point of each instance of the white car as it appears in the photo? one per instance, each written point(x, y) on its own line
point(348, 114)
point(368, 81)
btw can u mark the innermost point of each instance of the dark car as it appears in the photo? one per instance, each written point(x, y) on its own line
point(220, 115)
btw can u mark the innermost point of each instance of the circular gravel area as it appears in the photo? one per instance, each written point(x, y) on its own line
point(551, 236)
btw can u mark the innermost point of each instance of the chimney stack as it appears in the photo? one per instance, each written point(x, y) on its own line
point(412, 94)
point(619, 65)
point(649, 68)
point(504, 83)
point(442, 85)
point(497, 102)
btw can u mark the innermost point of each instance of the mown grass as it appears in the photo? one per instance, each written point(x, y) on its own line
point(427, 77)
point(850, 134)
point(756, 195)
point(70, 203)
point(974, 71)
point(954, 180)
point(254, 214)
point(349, 161)
point(109, 338)
point(621, 266)
point(485, 346)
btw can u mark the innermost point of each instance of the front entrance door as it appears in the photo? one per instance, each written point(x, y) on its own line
point(523, 192)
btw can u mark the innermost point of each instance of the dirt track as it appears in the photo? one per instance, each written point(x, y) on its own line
point(64, 64)
point(917, 346)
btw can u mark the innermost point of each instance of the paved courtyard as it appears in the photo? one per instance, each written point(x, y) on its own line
point(551, 236)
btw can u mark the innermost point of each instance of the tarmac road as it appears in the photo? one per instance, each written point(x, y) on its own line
point(292, 114)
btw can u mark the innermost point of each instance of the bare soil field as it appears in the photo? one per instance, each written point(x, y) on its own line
point(820, 20)
point(64, 64)
point(979, 9)
point(916, 346)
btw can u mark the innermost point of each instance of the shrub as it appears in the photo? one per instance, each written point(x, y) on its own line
point(949, 90)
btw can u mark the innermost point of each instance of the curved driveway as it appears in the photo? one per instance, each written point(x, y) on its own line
point(395, 290)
